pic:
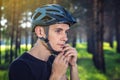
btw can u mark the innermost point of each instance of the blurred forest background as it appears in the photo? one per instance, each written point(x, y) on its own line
point(96, 35)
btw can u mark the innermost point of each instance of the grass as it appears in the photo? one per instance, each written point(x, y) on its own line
point(86, 68)
point(3, 74)
point(87, 71)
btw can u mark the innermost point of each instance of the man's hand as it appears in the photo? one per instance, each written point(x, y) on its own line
point(71, 54)
point(59, 66)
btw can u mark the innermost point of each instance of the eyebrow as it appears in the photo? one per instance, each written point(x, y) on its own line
point(59, 28)
point(62, 29)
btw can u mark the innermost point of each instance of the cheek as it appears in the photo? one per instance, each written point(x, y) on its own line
point(54, 43)
point(53, 40)
point(53, 37)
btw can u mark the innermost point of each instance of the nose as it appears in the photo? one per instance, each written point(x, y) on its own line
point(65, 37)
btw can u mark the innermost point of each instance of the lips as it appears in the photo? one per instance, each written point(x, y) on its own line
point(61, 45)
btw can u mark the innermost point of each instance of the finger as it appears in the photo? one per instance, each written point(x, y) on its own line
point(70, 51)
point(66, 48)
point(62, 57)
point(67, 45)
point(72, 55)
point(65, 61)
point(67, 58)
point(59, 55)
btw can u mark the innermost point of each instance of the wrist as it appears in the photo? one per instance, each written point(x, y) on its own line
point(55, 76)
point(74, 72)
point(74, 65)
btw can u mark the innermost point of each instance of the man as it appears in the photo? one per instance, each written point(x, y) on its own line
point(51, 56)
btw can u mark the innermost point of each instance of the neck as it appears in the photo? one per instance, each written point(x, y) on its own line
point(40, 50)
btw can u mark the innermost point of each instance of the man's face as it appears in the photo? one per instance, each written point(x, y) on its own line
point(58, 36)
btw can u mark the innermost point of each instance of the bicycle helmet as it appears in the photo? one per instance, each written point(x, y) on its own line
point(48, 15)
point(51, 14)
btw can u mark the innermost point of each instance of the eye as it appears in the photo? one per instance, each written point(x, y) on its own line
point(58, 30)
point(67, 32)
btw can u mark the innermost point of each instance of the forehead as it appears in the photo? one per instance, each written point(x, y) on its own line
point(59, 26)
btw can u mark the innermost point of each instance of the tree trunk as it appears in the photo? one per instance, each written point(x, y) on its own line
point(0, 31)
point(90, 39)
point(74, 40)
point(18, 31)
point(111, 28)
point(26, 39)
point(111, 32)
point(12, 31)
point(98, 56)
point(111, 36)
point(117, 24)
point(90, 29)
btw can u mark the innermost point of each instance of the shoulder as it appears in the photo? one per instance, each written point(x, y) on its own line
point(18, 66)
point(18, 63)
point(19, 70)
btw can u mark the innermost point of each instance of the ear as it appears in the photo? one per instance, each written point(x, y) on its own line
point(39, 31)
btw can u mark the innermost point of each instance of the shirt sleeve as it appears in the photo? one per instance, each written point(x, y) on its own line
point(19, 70)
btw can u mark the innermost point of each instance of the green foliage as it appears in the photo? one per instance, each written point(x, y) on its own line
point(3, 75)
point(86, 68)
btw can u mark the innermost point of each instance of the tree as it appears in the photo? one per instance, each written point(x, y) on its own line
point(12, 30)
point(109, 22)
point(0, 29)
point(117, 24)
point(98, 56)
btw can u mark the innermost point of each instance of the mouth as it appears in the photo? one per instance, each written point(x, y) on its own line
point(61, 45)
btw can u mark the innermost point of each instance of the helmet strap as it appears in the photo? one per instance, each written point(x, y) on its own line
point(47, 41)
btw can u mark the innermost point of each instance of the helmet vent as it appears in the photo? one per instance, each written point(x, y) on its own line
point(51, 10)
point(60, 16)
point(37, 15)
point(46, 18)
